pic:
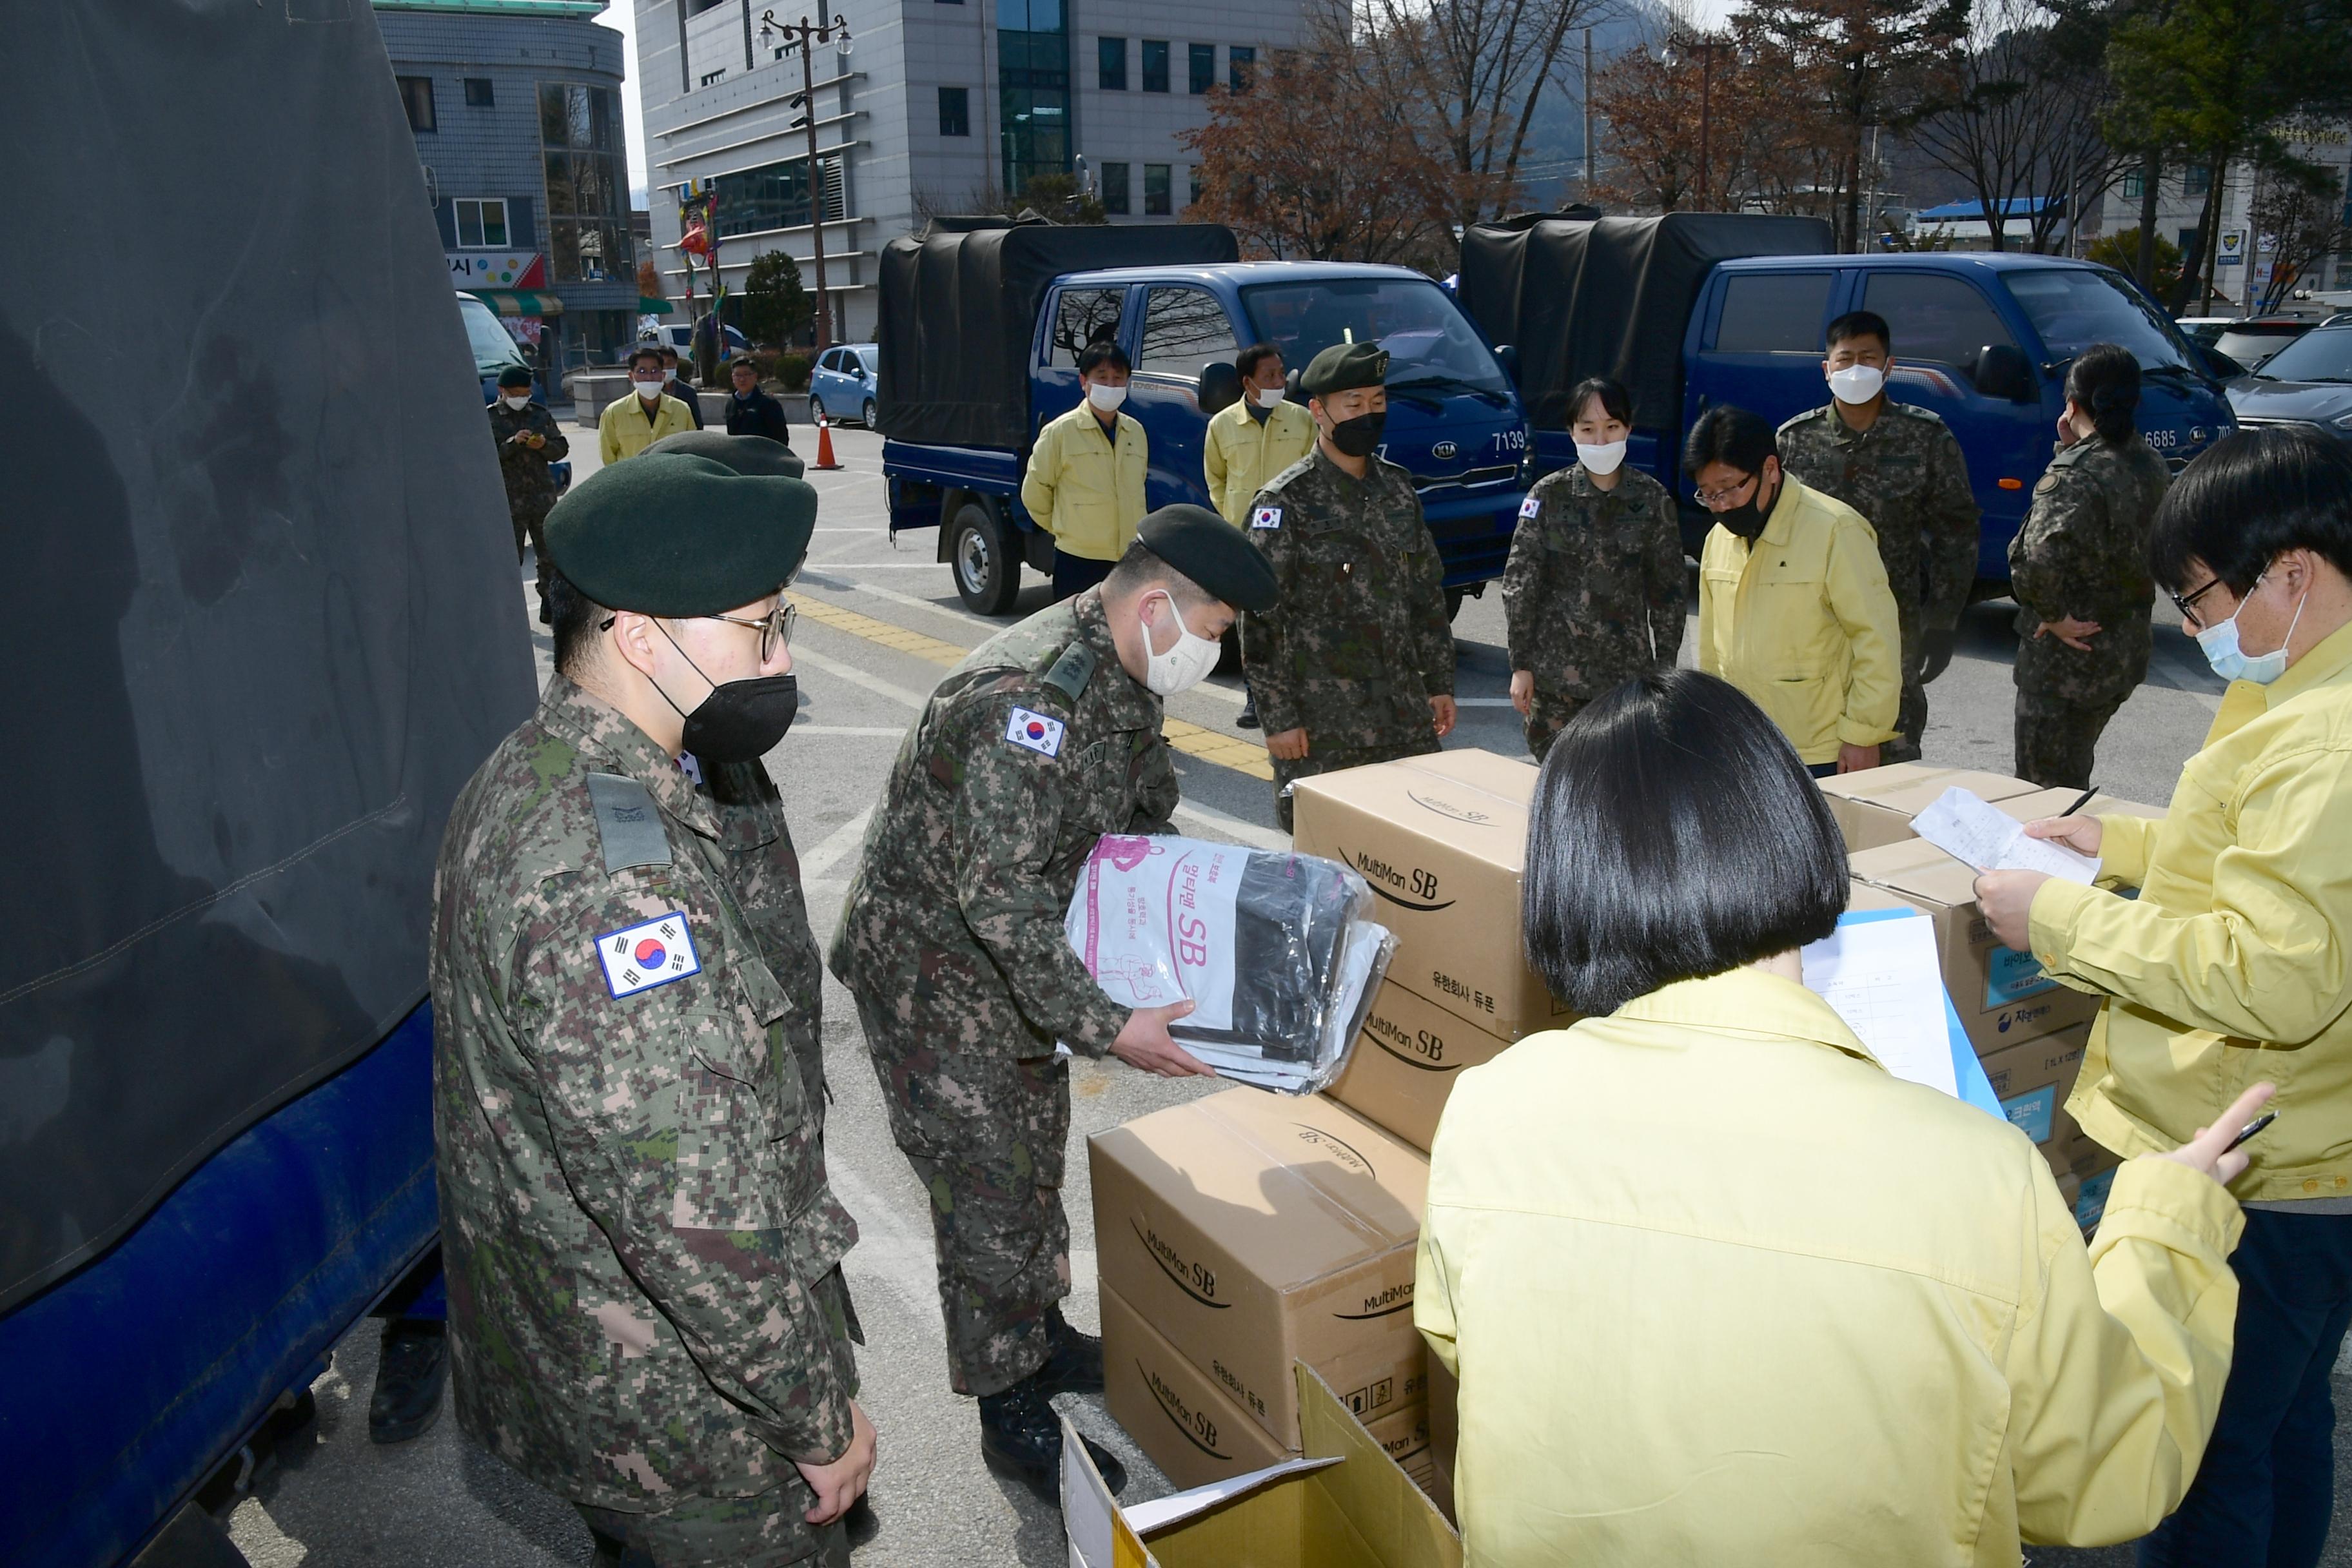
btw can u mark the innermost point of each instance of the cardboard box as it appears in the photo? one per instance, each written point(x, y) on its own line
point(1252, 1230)
point(1441, 839)
point(2043, 802)
point(2003, 997)
point(1445, 1436)
point(1342, 1503)
point(2090, 1195)
point(1875, 805)
point(1406, 1061)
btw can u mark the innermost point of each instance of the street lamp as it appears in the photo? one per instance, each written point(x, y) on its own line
point(1706, 48)
point(804, 35)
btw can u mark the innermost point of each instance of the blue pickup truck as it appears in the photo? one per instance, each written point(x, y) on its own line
point(979, 332)
point(1693, 310)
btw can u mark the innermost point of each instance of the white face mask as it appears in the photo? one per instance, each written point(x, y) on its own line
point(648, 390)
point(1182, 668)
point(1266, 397)
point(1857, 384)
point(2219, 643)
point(1105, 397)
point(1603, 458)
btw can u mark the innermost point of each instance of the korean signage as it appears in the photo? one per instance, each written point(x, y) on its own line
point(497, 269)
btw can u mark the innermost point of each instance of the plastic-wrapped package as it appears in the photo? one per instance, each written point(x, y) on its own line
point(1280, 953)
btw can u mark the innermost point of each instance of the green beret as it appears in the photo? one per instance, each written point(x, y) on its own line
point(515, 376)
point(1345, 365)
point(1217, 556)
point(669, 533)
point(745, 454)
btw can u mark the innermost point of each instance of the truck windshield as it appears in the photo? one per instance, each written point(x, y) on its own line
point(2074, 307)
point(493, 349)
point(1432, 346)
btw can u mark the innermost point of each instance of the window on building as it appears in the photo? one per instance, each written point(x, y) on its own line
point(416, 97)
point(1033, 74)
point(482, 223)
point(1155, 189)
point(1777, 314)
point(1940, 319)
point(1110, 64)
point(2135, 187)
point(588, 236)
point(1155, 64)
point(479, 93)
point(1203, 61)
point(1184, 329)
point(1114, 189)
point(1241, 64)
point(955, 111)
point(1082, 313)
point(1193, 181)
point(709, 76)
point(2196, 180)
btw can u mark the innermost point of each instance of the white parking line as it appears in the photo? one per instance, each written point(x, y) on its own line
point(840, 841)
point(857, 676)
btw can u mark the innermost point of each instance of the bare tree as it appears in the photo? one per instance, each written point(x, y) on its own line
point(2298, 217)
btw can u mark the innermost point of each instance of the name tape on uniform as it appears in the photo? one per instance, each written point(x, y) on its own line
point(649, 953)
point(1035, 731)
point(1530, 507)
point(1266, 517)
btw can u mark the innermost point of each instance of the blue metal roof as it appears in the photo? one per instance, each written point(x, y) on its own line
point(2011, 206)
point(1916, 260)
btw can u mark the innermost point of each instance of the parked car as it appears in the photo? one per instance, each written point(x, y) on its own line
point(2309, 382)
point(681, 338)
point(2252, 342)
point(494, 347)
point(841, 384)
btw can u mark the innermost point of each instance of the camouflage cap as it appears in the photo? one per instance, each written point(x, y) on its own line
point(672, 533)
point(1345, 365)
point(1217, 556)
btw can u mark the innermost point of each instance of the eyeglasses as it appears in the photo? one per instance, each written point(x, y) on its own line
point(775, 628)
point(2187, 606)
point(1713, 499)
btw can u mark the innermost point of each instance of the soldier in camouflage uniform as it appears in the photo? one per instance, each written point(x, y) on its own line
point(952, 939)
point(1355, 664)
point(2078, 570)
point(647, 1313)
point(529, 440)
point(1903, 470)
point(1593, 595)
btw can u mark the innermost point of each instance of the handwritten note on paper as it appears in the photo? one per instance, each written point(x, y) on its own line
point(1883, 978)
point(1962, 825)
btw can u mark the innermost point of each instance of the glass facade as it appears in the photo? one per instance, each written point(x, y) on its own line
point(776, 196)
point(587, 189)
point(1033, 68)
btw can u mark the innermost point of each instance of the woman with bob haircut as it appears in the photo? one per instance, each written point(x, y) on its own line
point(1721, 1290)
point(2235, 961)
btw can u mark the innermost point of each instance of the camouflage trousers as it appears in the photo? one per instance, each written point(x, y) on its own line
point(1911, 715)
point(530, 528)
point(2055, 740)
point(986, 1132)
point(1547, 714)
point(762, 1531)
point(1322, 759)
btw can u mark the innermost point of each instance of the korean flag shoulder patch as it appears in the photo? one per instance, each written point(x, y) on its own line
point(1529, 508)
point(1266, 517)
point(1037, 733)
point(649, 953)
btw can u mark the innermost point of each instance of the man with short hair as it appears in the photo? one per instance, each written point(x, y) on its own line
point(1259, 436)
point(676, 386)
point(1355, 664)
point(752, 412)
point(1900, 467)
point(646, 1309)
point(1794, 607)
point(1085, 483)
point(631, 424)
point(528, 440)
point(1043, 740)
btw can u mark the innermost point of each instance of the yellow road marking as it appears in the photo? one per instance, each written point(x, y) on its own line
point(1195, 740)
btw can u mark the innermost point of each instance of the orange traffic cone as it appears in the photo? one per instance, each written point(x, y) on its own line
point(825, 457)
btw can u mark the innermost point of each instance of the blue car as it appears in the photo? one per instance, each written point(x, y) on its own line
point(841, 384)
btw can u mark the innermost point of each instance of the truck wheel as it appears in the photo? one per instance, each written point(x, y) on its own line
point(1454, 597)
point(987, 572)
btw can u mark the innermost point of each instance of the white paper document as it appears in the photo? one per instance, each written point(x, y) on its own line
point(1883, 978)
point(1962, 825)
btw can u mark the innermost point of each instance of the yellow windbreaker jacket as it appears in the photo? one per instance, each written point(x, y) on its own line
point(2234, 964)
point(1721, 1290)
point(1803, 621)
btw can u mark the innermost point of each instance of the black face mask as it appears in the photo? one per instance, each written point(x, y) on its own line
point(740, 722)
point(1747, 519)
point(1357, 437)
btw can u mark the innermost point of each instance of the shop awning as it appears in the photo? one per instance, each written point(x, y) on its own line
point(654, 305)
point(518, 301)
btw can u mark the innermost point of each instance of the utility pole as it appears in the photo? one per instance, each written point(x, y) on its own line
point(804, 36)
point(1588, 115)
point(1706, 48)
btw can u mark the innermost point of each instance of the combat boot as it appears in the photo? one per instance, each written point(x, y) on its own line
point(1020, 1437)
point(1073, 1362)
point(411, 1368)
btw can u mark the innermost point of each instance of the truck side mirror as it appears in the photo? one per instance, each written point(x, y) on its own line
point(1220, 386)
point(2002, 371)
point(1290, 386)
point(1510, 356)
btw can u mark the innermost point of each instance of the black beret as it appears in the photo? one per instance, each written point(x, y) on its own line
point(670, 533)
point(1212, 552)
point(515, 376)
point(754, 455)
point(1345, 365)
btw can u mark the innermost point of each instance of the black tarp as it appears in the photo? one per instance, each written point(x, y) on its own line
point(260, 609)
point(1608, 296)
point(960, 303)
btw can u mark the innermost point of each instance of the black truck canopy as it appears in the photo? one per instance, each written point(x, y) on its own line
point(1608, 296)
point(959, 303)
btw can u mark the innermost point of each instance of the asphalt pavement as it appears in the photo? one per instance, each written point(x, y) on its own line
point(879, 624)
